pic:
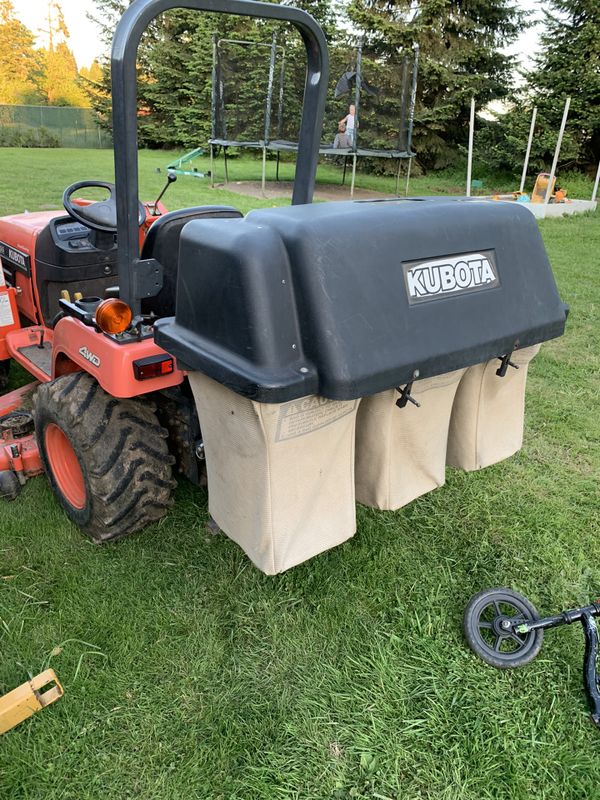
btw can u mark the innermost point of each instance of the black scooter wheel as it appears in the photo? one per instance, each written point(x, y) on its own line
point(489, 622)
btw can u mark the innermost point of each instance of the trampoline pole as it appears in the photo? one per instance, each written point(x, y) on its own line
point(212, 166)
point(596, 182)
point(528, 151)
point(225, 163)
point(407, 177)
point(277, 167)
point(357, 88)
point(561, 133)
point(398, 175)
point(470, 153)
point(344, 173)
point(264, 169)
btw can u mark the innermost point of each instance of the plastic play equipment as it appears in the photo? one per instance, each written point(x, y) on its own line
point(504, 629)
point(303, 357)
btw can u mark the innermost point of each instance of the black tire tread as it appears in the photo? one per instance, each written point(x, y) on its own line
point(122, 449)
point(4, 375)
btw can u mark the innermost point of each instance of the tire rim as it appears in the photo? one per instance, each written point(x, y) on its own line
point(503, 644)
point(65, 466)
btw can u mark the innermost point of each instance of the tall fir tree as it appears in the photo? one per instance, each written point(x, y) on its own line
point(175, 70)
point(461, 43)
point(568, 65)
point(60, 82)
point(20, 64)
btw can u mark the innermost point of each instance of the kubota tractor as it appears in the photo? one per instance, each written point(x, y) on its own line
point(110, 413)
point(311, 356)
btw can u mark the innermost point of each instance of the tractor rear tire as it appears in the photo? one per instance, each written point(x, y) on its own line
point(4, 375)
point(107, 460)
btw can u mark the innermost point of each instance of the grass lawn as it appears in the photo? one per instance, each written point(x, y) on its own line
point(189, 674)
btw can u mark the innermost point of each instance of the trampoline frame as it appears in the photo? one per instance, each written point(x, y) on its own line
point(280, 145)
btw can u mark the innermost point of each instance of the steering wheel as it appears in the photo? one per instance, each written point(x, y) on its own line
point(102, 215)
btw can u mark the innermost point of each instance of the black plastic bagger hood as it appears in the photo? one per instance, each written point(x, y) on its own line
point(348, 299)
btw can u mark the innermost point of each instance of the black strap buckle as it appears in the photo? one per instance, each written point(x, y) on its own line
point(505, 363)
point(406, 393)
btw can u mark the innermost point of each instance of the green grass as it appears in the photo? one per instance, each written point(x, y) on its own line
point(189, 674)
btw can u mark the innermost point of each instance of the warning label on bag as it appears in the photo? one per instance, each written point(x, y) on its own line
point(6, 314)
point(308, 414)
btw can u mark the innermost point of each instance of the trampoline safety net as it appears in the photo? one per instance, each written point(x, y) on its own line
point(257, 89)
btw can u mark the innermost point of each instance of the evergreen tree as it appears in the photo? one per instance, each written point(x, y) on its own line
point(460, 43)
point(569, 66)
point(175, 74)
point(60, 83)
point(19, 63)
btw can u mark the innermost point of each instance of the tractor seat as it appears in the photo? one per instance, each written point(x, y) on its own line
point(162, 243)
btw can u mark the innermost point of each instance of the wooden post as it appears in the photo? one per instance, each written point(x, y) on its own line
point(561, 133)
point(470, 153)
point(528, 152)
point(596, 182)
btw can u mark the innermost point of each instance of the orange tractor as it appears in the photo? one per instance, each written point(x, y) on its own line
point(110, 413)
point(310, 356)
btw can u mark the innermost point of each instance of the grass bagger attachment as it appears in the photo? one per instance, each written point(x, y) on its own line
point(298, 359)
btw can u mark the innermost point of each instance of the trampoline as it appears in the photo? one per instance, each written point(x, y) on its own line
point(269, 138)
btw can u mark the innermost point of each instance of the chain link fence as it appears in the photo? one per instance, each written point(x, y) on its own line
point(50, 126)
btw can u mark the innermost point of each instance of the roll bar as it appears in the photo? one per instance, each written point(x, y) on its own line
point(143, 278)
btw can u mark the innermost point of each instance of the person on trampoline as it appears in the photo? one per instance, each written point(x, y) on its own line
point(349, 122)
point(341, 140)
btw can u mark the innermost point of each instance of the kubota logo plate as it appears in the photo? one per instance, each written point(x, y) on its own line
point(432, 279)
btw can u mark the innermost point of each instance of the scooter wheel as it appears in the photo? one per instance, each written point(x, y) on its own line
point(489, 621)
point(10, 487)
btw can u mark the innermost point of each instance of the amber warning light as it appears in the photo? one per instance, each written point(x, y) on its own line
point(153, 367)
point(113, 315)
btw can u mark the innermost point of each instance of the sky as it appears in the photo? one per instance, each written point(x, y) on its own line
point(86, 44)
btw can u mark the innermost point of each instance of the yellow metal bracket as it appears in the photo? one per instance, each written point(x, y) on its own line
point(28, 698)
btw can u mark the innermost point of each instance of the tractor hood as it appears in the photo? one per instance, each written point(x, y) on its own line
point(344, 300)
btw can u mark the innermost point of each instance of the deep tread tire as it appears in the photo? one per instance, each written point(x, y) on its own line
point(4, 375)
point(122, 452)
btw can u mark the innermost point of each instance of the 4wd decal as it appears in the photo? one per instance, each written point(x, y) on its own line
point(93, 359)
point(434, 278)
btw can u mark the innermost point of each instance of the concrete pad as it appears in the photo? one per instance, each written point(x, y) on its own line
point(541, 211)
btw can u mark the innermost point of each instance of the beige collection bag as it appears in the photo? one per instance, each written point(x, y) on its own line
point(487, 418)
point(280, 476)
point(401, 452)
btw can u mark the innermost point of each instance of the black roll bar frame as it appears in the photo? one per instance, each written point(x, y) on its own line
point(139, 278)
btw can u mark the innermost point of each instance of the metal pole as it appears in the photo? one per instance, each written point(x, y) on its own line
point(398, 175)
point(269, 103)
point(557, 151)
point(213, 89)
point(413, 99)
point(353, 174)
point(264, 168)
point(268, 108)
point(404, 108)
point(407, 177)
point(470, 153)
point(280, 109)
point(528, 153)
point(212, 166)
point(220, 92)
point(596, 182)
point(357, 88)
